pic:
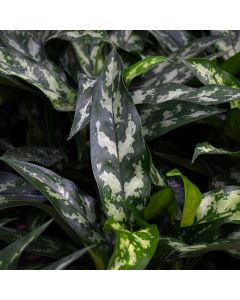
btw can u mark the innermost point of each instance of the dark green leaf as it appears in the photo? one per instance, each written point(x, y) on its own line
point(121, 166)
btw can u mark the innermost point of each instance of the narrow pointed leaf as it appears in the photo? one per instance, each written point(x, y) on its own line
point(84, 103)
point(44, 245)
point(192, 199)
point(141, 67)
point(207, 95)
point(64, 196)
point(59, 93)
point(206, 148)
point(222, 202)
point(162, 118)
point(121, 166)
point(66, 261)
point(9, 256)
point(133, 250)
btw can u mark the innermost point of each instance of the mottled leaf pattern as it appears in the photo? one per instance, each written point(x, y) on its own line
point(206, 148)
point(121, 167)
point(84, 103)
point(65, 197)
point(61, 95)
point(207, 95)
point(133, 250)
point(9, 256)
point(127, 40)
point(222, 202)
point(192, 199)
point(162, 118)
point(141, 67)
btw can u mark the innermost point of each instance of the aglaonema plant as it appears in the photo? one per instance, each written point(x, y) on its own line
point(125, 102)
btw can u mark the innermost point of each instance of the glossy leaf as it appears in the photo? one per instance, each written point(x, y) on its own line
point(206, 148)
point(64, 196)
point(222, 202)
point(164, 117)
point(192, 199)
point(9, 256)
point(84, 103)
point(141, 67)
point(121, 166)
point(133, 250)
point(61, 95)
point(67, 260)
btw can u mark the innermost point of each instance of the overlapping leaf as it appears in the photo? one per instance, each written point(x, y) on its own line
point(61, 95)
point(228, 177)
point(65, 197)
point(206, 148)
point(164, 117)
point(127, 40)
point(121, 166)
point(43, 245)
point(133, 250)
point(9, 256)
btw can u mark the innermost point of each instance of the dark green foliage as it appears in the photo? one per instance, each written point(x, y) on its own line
point(123, 146)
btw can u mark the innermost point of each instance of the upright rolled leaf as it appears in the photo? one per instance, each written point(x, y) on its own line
point(141, 67)
point(192, 199)
point(118, 153)
point(9, 256)
point(86, 86)
point(133, 250)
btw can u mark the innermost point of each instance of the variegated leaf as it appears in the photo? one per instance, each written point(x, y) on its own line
point(66, 261)
point(175, 249)
point(127, 39)
point(157, 178)
point(228, 177)
point(88, 55)
point(65, 197)
point(84, 103)
point(164, 117)
point(133, 250)
point(44, 245)
point(61, 95)
point(206, 148)
point(9, 256)
point(44, 155)
point(231, 44)
point(141, 67)
point(207, 95)
point(192, 199)
point(219, 203)
point(118, 153)
point(77, 35)
point(172, 40)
